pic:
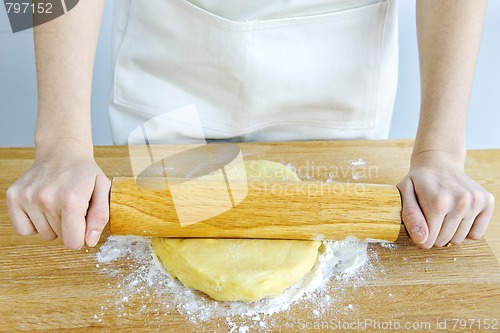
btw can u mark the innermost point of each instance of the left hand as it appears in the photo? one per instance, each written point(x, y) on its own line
point(441, 204)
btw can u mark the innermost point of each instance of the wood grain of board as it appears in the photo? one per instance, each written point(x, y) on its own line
point(45, 288)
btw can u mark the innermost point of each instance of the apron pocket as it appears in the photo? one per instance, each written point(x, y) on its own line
point(318, 70)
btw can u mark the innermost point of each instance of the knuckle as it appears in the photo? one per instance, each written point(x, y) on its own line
point(101, 216)
point(11, 196)
point(441, 203)
point(463, 201)
point(17, 193)
point(45, 198)
point(26, 194)
point(491, 199)
point(11, 192)
point(479, 199)
point(69, 200)
point(411, 214)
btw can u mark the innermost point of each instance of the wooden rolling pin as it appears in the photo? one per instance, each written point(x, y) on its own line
point(240, 209)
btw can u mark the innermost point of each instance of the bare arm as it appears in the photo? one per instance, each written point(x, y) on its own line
point(65, 50)
point(440, 203)
point(449, 34)
point(64, 194)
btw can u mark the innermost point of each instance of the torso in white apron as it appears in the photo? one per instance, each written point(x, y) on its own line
point(255, 70)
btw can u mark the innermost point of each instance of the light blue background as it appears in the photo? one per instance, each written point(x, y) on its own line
point(18, 83)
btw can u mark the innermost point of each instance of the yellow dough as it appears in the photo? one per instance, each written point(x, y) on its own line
point(240, 269)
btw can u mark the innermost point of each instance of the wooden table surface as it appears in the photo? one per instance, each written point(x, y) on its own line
point(46, 288)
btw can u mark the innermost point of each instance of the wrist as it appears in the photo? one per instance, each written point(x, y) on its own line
point(437, 146)
point(65, 145)
point(437, 158)
point(57, 128)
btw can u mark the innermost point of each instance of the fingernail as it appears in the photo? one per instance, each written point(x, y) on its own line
point(418, 235)
point(92, 238)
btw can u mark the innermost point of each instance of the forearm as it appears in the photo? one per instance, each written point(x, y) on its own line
point(449, 33)
point(65, 51)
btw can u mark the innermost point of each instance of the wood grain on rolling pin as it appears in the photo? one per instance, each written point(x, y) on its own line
point(273, 210)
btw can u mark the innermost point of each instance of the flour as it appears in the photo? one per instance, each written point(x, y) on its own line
point(358, 162)
point(140, 277)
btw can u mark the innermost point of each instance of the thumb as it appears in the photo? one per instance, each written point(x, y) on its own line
point(412, 215)
point(98, 212)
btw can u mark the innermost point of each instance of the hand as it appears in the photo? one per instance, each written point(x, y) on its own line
point(64, 194)
point(441, 204)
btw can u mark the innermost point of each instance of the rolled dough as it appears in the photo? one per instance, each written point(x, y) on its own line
point(240, 269)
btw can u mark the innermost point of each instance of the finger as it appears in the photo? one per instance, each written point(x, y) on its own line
point(435, 210)
point(73, 221)
point(450, 225)
point(463, 230)
point(22, 224)
point(54, 221)
point(46, 201)
point(41, 224)
point(98, 212)
point(483, 219)
point(20, 220)
point(412, 215)
point(434, 222)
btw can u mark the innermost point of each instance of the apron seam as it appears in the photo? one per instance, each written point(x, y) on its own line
point(117, 95)
point(294, 121)
point(249, 42)
point(234, 25)
point(251, 67)
point(381, 56)
point(314, 19)
point(372, 98)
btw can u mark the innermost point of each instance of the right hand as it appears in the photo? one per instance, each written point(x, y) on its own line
point(64, 194)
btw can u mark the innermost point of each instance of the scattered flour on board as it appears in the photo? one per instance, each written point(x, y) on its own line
point(141, 279)
point(355, 170)
point(357, 162)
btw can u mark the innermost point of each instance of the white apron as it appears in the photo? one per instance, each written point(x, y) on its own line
point(255, 71)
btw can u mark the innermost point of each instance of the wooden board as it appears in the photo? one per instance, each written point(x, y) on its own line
point(45, 288)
